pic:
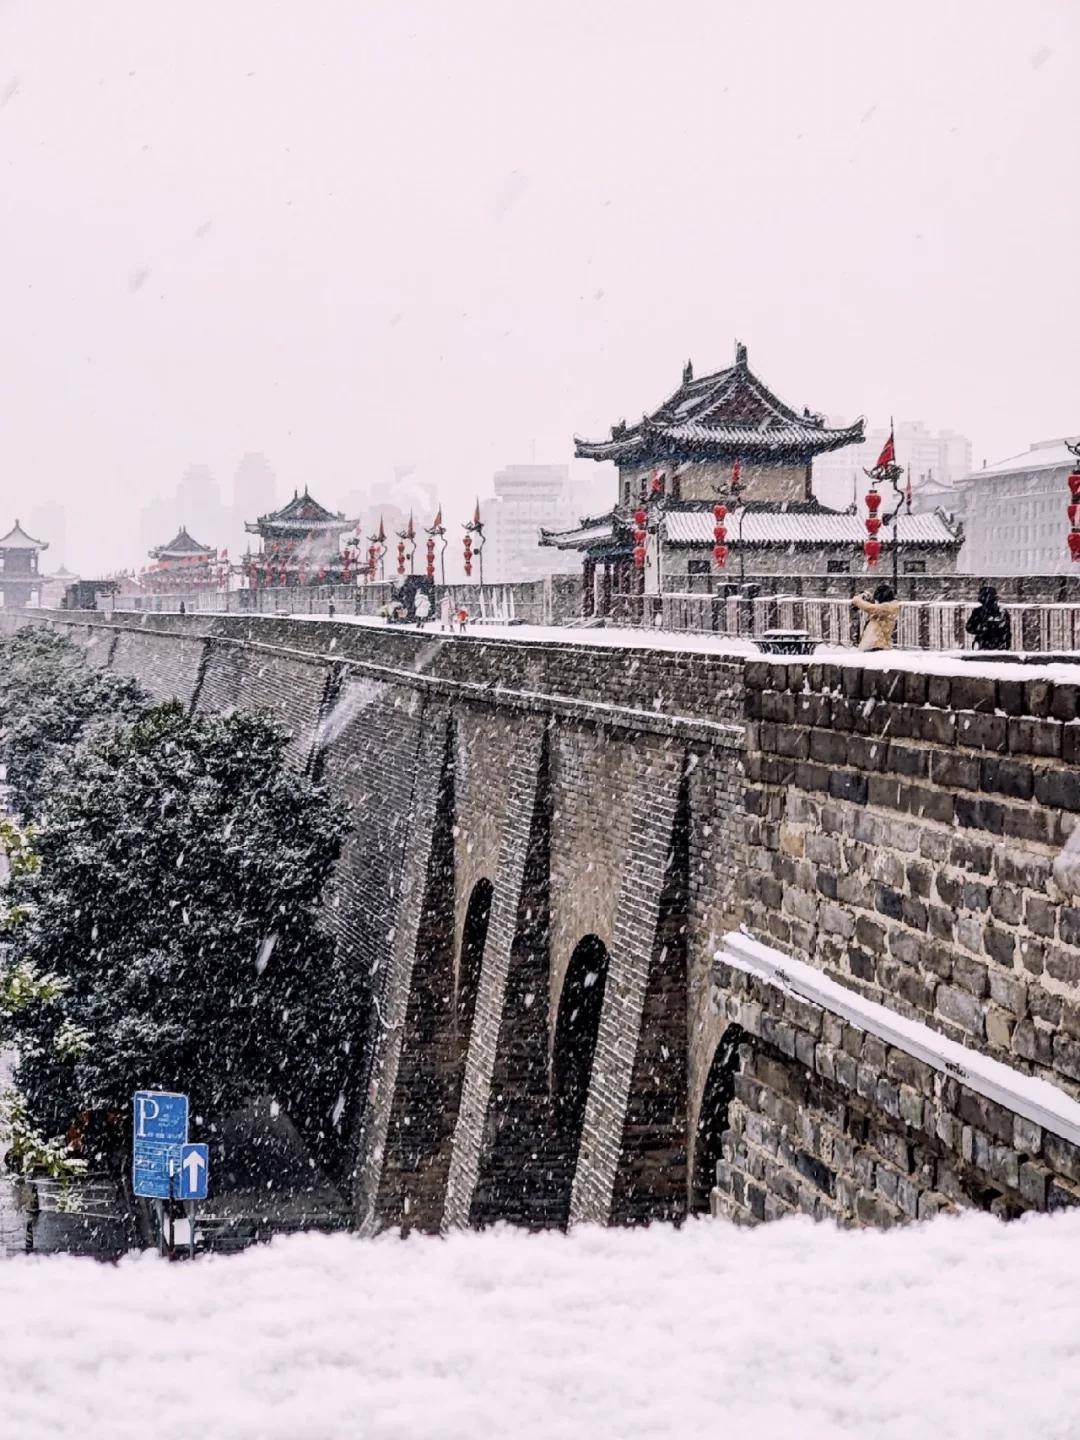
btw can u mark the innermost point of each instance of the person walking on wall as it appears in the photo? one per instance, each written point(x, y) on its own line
point(988, 623)
point(882, 611)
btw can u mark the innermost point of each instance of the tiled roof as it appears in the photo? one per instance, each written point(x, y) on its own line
point(591, 533)
point(1047, 455)
point(722, 416)
point(818, 527)
point(17, 539)
point(303, 512)
point(181, 544)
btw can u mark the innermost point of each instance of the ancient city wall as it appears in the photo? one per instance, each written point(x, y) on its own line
point(901, 836)
point(552, 845)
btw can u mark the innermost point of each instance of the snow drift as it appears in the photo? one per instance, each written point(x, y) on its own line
point(962, 1328)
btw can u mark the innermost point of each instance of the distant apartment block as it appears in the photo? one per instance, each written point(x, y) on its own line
point(1014, 514)
point(527, 497)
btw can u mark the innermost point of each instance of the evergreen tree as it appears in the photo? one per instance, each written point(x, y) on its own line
point(51, 698)
point(182, 864)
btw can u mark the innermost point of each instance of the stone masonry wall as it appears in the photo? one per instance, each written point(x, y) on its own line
point(830, 1121)
point(901, 832)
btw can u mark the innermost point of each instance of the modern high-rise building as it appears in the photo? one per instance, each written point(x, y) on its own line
point(528, 498)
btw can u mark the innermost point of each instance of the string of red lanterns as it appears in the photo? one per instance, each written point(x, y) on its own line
point(872, 545)
point(640, 536)
point(1074, 509)
point(720, 514)
point(720, 549)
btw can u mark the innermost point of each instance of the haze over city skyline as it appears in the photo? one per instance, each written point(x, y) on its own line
point(229, 229)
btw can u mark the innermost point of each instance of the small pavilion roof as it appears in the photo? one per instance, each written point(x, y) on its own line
point(303, 514)
point(17, 539)
point(181, 546)
point(730, 414)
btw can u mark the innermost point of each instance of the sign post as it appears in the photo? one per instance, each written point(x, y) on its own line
point(164, 1166)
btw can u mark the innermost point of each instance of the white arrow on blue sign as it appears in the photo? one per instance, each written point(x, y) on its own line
point(194, 1172)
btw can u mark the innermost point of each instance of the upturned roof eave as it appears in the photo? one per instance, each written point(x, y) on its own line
point(659, 443)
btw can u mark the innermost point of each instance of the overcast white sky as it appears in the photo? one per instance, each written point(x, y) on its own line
point(351, 235)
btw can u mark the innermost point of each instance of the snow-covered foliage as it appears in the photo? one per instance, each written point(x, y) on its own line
point(174, 848)
point(958, 1329)
point(50, 699)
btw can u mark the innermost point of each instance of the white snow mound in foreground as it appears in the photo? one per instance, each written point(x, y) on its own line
point(964, 1327)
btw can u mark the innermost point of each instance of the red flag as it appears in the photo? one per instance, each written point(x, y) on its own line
point(888, 455)
point(438, 519)
point(909, 489)
point(476, 513)
point(736, 474)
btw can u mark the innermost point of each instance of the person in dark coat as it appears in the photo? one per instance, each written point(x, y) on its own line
point(988, 624)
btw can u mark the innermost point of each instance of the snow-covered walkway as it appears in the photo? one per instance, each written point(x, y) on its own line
point(961, 1328)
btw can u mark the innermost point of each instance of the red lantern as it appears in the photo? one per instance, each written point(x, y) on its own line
point(431, 569)
point(873, 501)
point(719, 513)
point(468, 543)
point(719, 533)
point(468, 567)
point(639, 518)
point(657, 483)
point(1074, 511)
point(1074, 484)
point(1074, 544)
point(872, 550)
point(873, 525)
point(640, 536)
point(401, 567)
point(736, 475)
point(639, 557)
point(720, 555)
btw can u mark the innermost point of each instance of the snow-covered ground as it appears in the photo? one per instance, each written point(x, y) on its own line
point(960, 1328)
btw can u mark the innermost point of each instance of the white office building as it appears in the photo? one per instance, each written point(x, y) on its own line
point(527, 497)
point(1014, 513)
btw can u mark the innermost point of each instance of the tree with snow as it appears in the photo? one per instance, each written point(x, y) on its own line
point(175, 906)
point(51, 698)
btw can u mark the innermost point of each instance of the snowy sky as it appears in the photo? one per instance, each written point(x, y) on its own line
point(353, 235)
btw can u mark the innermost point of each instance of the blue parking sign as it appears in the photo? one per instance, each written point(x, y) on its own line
point(160, 1116)
point(159, 1134)
point(155, 1170)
